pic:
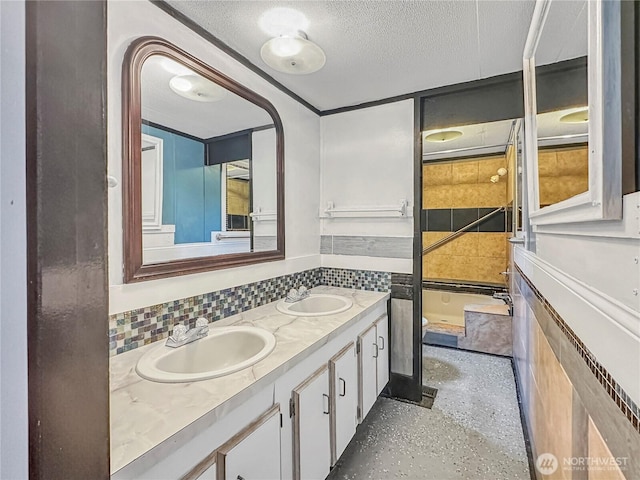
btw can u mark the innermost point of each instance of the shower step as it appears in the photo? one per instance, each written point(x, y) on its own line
point(445, 328)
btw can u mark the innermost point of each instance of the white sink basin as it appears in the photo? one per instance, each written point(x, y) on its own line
point(316, 304)
point(225, 350)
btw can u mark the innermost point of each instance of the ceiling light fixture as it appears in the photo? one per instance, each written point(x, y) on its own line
point(195, 87)
point(283, 21)
point(294, 54)
point(442, 136)
point(578, 116)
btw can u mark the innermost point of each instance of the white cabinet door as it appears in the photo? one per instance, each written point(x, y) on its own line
point(382, 367)
point(343, 371)
point(254, 453)
point(367, 376)
point(207, 469)
point(311, 439)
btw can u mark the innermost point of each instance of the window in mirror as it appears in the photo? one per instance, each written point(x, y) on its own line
point(208, 192)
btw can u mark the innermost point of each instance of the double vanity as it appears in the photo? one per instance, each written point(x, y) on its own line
point(274, 392)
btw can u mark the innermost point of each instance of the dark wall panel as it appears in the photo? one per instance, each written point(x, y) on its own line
point(67, 255)
point(491, 100)
point(498, 98)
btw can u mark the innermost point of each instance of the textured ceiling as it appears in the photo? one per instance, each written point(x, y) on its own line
point(380, 49)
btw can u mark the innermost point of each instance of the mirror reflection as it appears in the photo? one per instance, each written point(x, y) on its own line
point(562, 106)
point(208, 167)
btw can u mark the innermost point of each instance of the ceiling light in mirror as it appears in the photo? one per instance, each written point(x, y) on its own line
point(579, 116)
point(195, 87)
point(209, 159)
point(442, 136)
point(283, 21)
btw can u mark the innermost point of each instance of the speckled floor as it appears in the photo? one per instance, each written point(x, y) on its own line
point(473, 431)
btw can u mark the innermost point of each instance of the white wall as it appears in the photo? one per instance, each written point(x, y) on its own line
point(591, 276)
point(13, 246)
point(130, 20)
point(367, 160)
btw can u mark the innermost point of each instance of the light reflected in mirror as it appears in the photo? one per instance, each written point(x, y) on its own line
point(562, 107)
point(208, 167)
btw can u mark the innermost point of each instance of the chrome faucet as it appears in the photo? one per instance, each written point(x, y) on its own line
point(181, 335)
point(506, 298)
point(296, 295)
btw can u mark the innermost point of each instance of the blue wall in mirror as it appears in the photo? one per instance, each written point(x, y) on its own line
point(191, 197)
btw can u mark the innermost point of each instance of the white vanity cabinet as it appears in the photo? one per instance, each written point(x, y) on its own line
point(311, 406)
point(373, 364)
point(296, 425)
point(251, 454)
point(254, 453)
point(343, 387)
point(382, 358)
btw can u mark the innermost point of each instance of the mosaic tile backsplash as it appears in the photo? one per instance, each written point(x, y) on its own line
point(136, 328)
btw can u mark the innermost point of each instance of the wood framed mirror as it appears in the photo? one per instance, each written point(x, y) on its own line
point(203, 167)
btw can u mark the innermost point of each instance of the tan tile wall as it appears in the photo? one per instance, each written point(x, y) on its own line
point(562, 173)
point(598, 450)
point(472, 257)
point(464, 184)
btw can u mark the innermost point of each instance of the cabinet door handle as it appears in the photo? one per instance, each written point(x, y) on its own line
point(381, 341)
point(344, 387)
point(240, 477)
point(376, 354)
point(326, 412)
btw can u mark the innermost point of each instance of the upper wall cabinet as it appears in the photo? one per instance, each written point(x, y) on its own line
point(573, 116)
point(203, 167)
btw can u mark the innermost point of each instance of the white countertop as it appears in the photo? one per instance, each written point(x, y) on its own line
point(144, 414)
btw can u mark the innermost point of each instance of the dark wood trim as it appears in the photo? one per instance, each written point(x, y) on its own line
point(416, 386)
point(134, 269)
point(629, 92)
point(404, 386)
point(67, 290)
point(241, 132)
point(172, 130)
point(209, 37)
point(431, 92)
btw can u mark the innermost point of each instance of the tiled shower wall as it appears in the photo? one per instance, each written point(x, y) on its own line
point(574, 409)
point(564, 172)
point(455, 194)
point(135, 328)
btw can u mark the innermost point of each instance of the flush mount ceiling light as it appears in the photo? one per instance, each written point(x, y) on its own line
point(578, 116)
point(195, 87)
point(283, 21)
point(442, 136)
point(293, 54)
